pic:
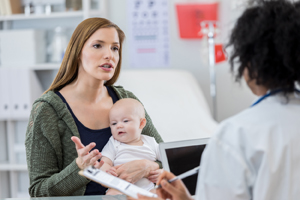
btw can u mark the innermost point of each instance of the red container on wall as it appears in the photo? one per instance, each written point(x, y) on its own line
point(191, 15)
point(219, 53)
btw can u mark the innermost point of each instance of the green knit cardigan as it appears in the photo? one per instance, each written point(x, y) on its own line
point(50, 151)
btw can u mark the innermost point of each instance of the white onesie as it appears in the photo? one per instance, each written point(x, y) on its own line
point(120, 153)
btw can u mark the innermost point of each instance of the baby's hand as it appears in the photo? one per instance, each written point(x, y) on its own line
point(112, 171)
point(113, 192)
point(153, 175)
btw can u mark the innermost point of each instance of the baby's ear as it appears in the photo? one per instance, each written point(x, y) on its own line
point(143, 123)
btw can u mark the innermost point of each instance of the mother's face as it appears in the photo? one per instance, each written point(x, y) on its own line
point(100, 54)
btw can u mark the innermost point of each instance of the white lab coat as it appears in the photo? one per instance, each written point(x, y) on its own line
point(254, 154)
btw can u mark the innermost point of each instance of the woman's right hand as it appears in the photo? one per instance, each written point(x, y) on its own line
point(85, 157)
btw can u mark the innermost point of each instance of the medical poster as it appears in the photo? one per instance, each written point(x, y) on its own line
point(148, 33)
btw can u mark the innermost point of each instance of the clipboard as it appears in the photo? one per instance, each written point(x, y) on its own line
point(111, 181)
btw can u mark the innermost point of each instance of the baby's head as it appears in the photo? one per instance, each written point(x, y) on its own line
point(127, 120)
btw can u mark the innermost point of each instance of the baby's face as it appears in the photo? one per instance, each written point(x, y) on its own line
point(125, 125)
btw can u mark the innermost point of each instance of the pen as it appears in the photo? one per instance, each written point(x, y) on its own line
point(182, 176)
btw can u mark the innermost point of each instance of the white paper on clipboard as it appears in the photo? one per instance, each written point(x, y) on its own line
point(110, 181)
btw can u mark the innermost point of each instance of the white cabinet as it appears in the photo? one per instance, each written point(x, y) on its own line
point(22, 47)
point(88, 10)
point(5, 110)
point(20, 86)
point(13, 168)
point(18, 89)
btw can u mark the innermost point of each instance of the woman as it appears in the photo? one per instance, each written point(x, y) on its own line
point(255, 154)
point(77, 105)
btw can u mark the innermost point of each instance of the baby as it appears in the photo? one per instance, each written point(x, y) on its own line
point(127, 120)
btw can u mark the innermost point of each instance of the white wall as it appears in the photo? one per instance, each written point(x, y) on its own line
point(188, 54)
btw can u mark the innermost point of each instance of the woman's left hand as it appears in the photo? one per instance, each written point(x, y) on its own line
point(135, 170)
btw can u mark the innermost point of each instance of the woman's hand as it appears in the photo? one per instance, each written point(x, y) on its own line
point(135, 170)
point(85, 157)
point(153, 175)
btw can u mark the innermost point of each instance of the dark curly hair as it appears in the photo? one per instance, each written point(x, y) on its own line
point(266, 41)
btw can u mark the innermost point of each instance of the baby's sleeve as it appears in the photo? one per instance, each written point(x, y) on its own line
point(158, 153)
point(156, 148)
point(109, 149)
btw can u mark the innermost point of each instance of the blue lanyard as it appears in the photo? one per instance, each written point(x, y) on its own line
point(269, 94)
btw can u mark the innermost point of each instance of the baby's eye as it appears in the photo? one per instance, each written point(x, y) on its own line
point(113, 124)
point(126, 121)
point(96, 46)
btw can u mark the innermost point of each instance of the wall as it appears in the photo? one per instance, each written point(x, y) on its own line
point(190, 55)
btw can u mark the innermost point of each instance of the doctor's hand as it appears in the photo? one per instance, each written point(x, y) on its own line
point(86, 157)
point(174, 191)
point(135, 170)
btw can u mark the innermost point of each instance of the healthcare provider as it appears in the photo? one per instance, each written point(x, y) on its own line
point(256, 153)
